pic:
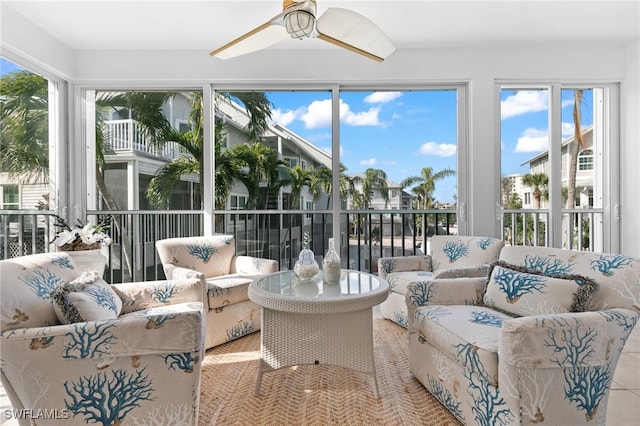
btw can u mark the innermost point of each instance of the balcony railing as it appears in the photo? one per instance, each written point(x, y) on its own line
point(126, 135)
point(365, 235)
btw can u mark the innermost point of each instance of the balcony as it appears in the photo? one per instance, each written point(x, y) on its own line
point(126, 136)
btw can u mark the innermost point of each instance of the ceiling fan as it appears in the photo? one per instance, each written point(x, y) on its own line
point(342, 27)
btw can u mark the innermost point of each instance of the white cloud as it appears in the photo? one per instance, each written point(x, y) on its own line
point(283, 117)
point(438, 149)
point(533, 140)
point(567, 129)
point(369, 162)
point(523, 102)
point(382, 97)
point(318, 114)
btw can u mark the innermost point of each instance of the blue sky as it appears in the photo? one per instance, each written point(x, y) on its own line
point(402, 132)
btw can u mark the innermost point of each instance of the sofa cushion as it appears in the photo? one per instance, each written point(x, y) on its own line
point(87, 298)
point(520, 291)
point(398, 281)
point(26, 296)
point(228, 289)
point(615, 274)
point(451, 252)
point(468, 334)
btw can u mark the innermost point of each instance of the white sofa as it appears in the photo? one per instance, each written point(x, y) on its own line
point(450, 256)
point(535, 343)
point(76, 350)
point(226, 278)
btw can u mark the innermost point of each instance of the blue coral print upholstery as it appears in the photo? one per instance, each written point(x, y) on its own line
point(226, 278)
point(27, 283)
point(521, 293)
point(463, 256)
point(538, 364)
point(400, 272)
point(142, 367)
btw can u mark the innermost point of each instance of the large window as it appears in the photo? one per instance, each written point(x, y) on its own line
point(553, 176)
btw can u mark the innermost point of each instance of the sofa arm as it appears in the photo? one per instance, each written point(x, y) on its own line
point(169, 329)
point(249, 265)
point(560, 367)
point(386, 265)
point(149, 294)
point(566, 340)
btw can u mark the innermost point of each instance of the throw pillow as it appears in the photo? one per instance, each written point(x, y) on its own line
point(519, 291)
point(87, 298)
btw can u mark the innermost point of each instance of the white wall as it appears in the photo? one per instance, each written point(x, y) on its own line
point(480, 68)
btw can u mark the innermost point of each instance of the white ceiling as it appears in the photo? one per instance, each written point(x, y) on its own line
point(207, 24)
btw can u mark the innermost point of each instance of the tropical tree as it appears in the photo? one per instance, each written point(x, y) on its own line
point(232, 164)
point(24, 144)
point(298, 179)
point(574, 147)
point(426, 184)
point(538, 182)
point(373, 180)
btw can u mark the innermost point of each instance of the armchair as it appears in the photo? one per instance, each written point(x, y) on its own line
point(140, 366)
point(226, 278)
point(536, 342)
point(451, 256)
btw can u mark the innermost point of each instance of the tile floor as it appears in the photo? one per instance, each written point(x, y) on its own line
point(624, 401)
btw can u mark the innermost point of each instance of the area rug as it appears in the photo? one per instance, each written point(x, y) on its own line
point(316, 394)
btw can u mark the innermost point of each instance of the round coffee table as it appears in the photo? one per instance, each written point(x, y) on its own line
point(313, 322)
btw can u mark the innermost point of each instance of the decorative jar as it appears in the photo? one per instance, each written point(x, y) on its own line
point(306, 268)
point(331, 264)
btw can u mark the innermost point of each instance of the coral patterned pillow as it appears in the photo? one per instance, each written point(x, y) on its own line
point(521, 292)
point(87, 298)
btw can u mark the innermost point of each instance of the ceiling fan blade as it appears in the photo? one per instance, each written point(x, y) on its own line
point(261, 37)
point(350, 30)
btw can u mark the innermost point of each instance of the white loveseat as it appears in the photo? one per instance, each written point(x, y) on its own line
point(226, 278)
point(535, 343)
point(76, 350)
point(450, 256)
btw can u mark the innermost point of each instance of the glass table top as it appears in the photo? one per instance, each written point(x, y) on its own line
point(352, 283)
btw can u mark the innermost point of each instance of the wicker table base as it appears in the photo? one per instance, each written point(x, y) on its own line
point(326, 329)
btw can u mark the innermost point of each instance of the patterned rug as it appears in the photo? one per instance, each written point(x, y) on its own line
point(316, 394)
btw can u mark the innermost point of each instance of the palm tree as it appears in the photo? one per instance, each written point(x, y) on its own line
point(24, 144)
point(426, 184)
point(574, 148)
point(298, 179)
point(372, 180)
point(538, 182)
point(229, 161)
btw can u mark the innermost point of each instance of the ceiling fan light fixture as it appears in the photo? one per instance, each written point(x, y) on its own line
point(299, 24)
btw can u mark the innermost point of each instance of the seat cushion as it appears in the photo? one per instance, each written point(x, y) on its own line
point(467, 334)
point(227, 290)
point(398, 281)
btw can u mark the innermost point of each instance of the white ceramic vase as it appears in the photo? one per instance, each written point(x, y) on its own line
point(88, 260)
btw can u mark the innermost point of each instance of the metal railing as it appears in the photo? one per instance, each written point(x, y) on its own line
point(365, 235)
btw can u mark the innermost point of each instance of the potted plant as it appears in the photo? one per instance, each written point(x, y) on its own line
point(84, 242)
